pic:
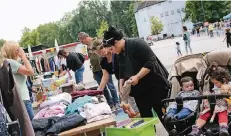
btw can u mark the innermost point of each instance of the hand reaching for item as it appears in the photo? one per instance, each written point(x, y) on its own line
point(133, 80)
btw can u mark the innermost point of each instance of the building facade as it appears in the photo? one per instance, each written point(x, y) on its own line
point(169, 12)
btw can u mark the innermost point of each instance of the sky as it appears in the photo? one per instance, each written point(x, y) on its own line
point(17, 14)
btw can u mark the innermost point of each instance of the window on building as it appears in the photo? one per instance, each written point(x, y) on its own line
point(178, 10)
point(172, 12)
point(162, 14)
point(159, 4)
point(166, 13)
point(170, 1)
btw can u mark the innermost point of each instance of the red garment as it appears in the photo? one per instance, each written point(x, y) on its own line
point(76, 94)
point(222, 116)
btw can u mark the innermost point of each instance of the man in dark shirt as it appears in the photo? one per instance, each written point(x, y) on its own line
point(228, 37)
point(73, 63)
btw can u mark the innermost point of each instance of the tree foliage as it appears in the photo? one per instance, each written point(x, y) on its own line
point(213, 10)
point(103, 27)
point(91, 17)
point(156, 25)
point(29, 37)
point(2, 41)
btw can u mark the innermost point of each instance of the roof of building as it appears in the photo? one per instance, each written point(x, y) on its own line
point(145, 4)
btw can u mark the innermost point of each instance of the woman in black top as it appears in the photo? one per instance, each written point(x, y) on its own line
point(139, 65)
point(109, 65)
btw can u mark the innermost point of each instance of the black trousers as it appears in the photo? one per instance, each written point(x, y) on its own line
point(148, 101)
point(228, 43)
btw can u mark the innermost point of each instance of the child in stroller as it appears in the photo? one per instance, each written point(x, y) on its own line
point(188, 106)
point(219, 77)
point(173, 114)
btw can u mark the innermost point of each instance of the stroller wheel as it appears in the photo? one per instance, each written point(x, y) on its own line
point(173, 132)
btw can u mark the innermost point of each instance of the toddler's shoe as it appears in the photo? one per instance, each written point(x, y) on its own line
point(195, 131)
point(224, 131)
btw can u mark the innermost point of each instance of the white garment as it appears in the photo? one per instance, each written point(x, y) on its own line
point(63, 97)
point(94, 112)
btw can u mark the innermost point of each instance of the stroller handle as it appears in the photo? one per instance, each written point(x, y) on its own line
point(216, 96)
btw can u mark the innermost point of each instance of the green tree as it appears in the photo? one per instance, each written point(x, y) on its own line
point(48, 33)
point(29, 37)
point(213, 10)
point(2, 41)
point(103, 27)
point(156, 26)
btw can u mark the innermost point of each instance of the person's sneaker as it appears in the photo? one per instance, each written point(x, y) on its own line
point(113, 108)
point(117, 106)
point(195, 131)
point(224, 131)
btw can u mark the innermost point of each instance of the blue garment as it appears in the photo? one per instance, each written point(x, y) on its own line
point(180, 115)
point(79, 75)
point(78, 104)
point(29, 108)
point(112, 98)
point(98, 76)
point(51, 63)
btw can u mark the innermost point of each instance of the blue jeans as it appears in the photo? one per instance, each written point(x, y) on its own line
point(180, 115)
point(29, 108)
point(113, 98)
point(79, 75)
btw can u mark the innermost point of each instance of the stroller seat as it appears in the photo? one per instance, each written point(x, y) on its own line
point(180, 127)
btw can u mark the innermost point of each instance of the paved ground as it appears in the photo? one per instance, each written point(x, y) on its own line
point(166, 52)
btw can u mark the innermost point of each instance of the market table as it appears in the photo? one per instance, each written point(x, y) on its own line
point(89, 127)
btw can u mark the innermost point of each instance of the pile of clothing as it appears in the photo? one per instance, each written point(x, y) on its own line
point(59, 113)
point(92, 108)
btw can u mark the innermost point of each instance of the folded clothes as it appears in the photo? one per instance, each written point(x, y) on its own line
point(76, 94)
point(56, 125)
point(94, 112)
point(50, 111)
point(78, 104)
point(63, 97)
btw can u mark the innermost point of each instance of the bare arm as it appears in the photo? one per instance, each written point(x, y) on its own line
point(25, 69)
point(104, 80)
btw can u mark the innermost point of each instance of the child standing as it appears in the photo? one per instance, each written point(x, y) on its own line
point(188, 106)
point(178, 49)
point(219, 76)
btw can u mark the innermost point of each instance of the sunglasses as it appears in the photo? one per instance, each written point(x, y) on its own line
point(106, 43)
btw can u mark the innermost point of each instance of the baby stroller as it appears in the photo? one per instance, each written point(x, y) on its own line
point(208, 129)
point(193, 66)
point(223, 59)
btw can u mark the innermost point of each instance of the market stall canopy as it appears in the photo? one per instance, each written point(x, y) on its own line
point(227, 16)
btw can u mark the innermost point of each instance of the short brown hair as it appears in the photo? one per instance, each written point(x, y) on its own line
point(82, 35)
point(185, 80)
point(185, 28)
point(61, 53)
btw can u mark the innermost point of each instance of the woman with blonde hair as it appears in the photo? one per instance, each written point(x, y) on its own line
point(13, 53)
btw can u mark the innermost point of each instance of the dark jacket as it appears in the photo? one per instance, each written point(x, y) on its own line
point(12, 100)
point(138, 54)
point(56, 125)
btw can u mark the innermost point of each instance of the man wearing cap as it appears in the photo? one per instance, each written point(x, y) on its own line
point(96, 68)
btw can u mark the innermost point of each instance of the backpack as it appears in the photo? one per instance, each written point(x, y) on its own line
point(185, 38)
point(81, 57)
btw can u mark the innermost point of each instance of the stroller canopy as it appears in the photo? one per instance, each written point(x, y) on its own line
point(222, 57)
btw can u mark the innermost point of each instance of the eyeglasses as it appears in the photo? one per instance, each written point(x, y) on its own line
point(106, 42)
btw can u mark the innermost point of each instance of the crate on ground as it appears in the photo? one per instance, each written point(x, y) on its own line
point(146, 129)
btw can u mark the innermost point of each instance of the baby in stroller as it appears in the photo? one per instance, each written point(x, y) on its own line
point(219, 77)
point(173, 112)
point(188, 106)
